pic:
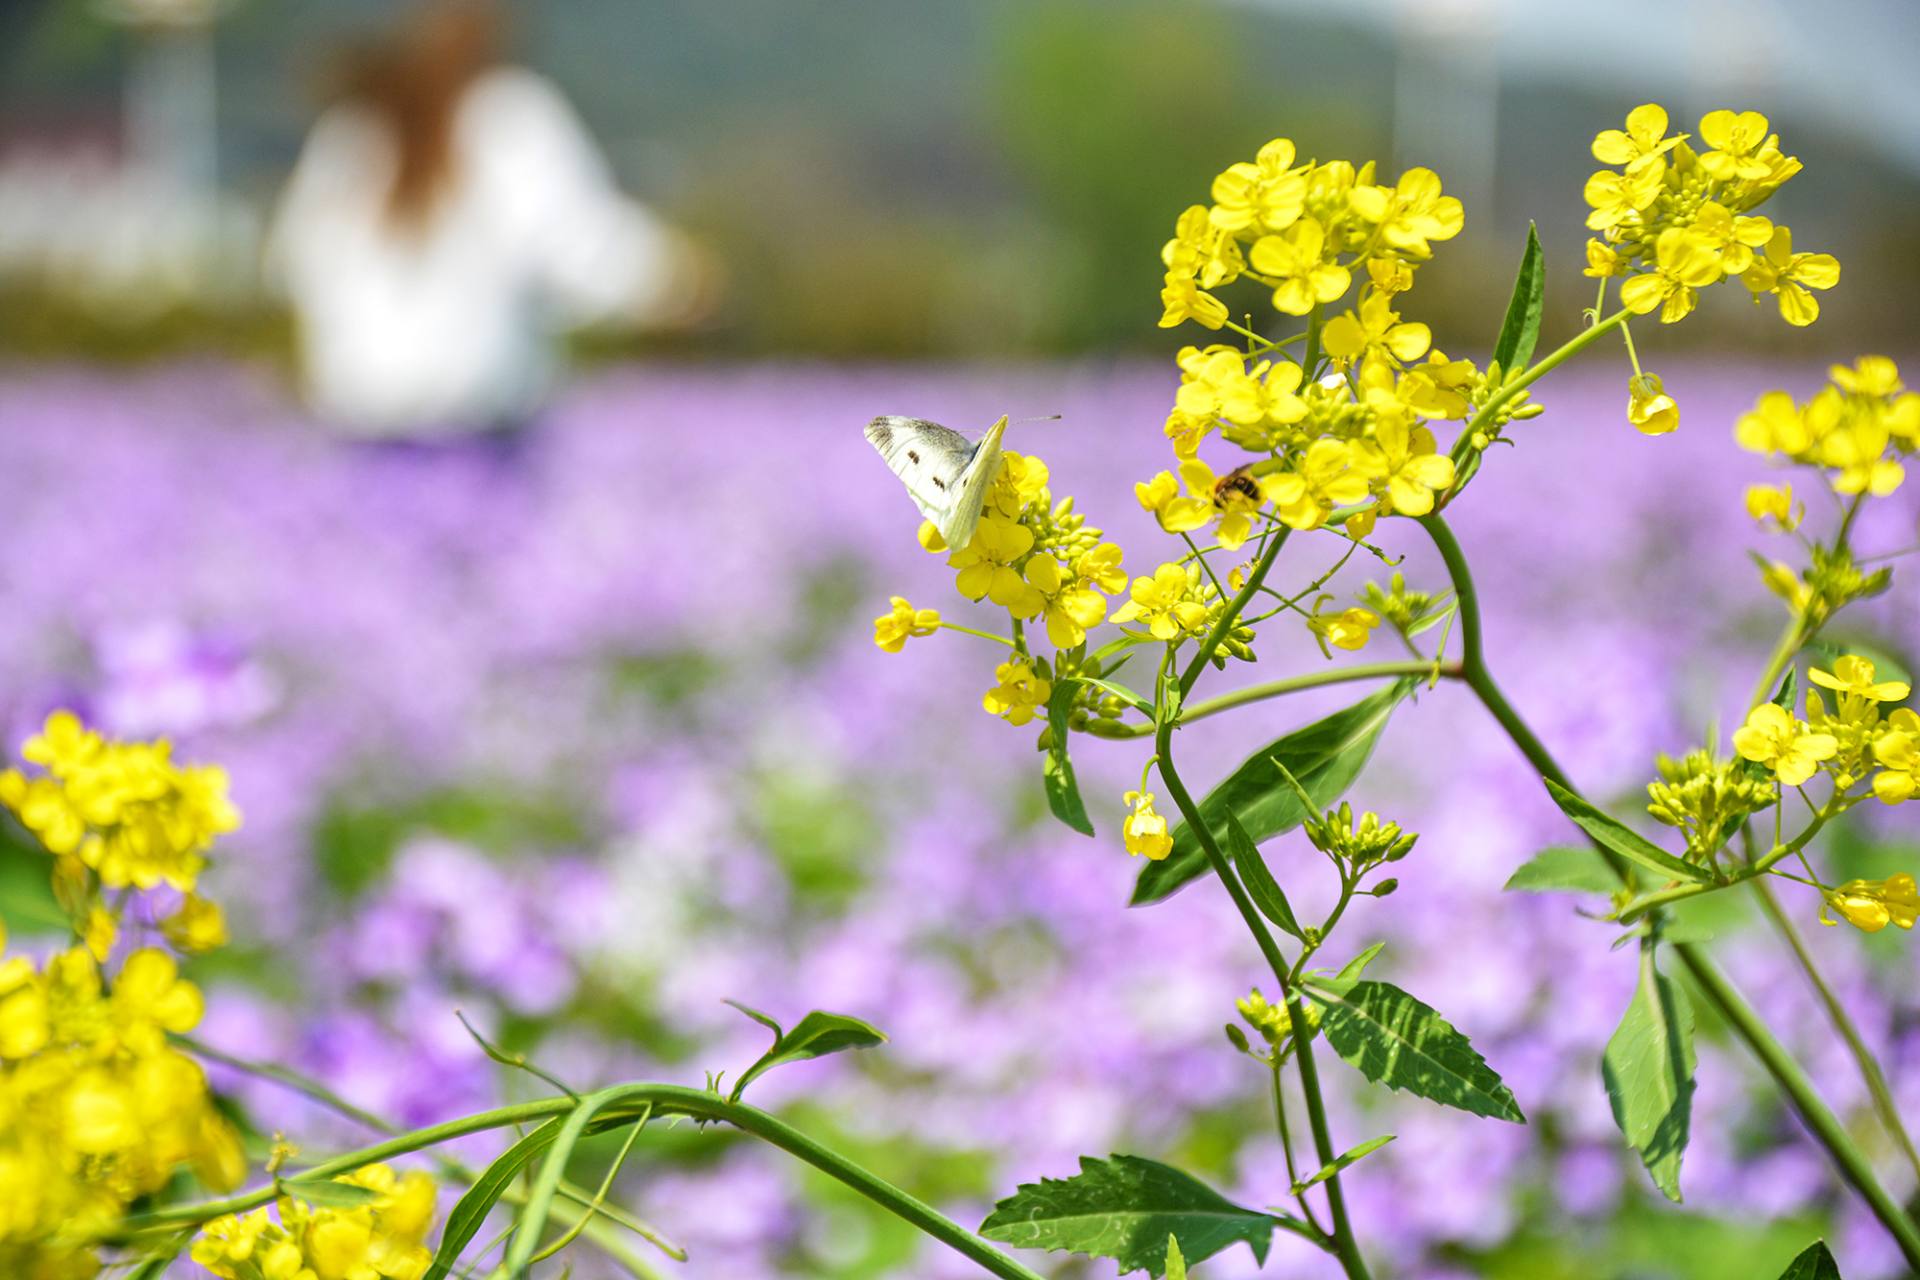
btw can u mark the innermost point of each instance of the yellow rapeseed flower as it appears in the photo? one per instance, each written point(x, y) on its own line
point(1408, 463)
point(1853, 675)
point(1642, 145)
point(1266, 195)
point(1770, 502)
point(1375, 331)
point(1168, 602)
point(1870, 905)
point(892, 630)
point(1789, 275)
point(1773, 737)
point(1350, 629)
point(1649, 408)
point(1020, 692)
point(1897, 751)
point(1684, 265)
point(986, 565)
point(1145, 831)
point(1324, 477)
point(1068, 605)
point(1301, 270)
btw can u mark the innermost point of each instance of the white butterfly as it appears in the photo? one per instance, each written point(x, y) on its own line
point(946, 474)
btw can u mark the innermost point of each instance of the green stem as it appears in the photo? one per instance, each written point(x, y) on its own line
point(1792, 1081)
point(631, 1101)
point(591, 1208)
point(1876, 1080)
point(1814, 1113)
point(1344, 1245)
point(1295, 684)
point(1231, 613)
point(1545, 365)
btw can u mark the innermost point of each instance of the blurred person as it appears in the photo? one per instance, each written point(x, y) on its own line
point(448, 219)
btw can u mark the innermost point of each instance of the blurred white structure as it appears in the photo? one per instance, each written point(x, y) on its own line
point(449, 323)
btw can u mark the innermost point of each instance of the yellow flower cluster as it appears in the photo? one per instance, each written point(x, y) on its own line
point(124, 809)
point(1301, 230)
point(1858, 429)
point(96, 1109)
point(1871, 905)
point(1674, 220)
point(1036, 558)
point(383, 1238)
point(1848, 742)
point(1307, 232)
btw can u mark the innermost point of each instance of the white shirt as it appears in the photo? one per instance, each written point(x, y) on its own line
point(450, 324)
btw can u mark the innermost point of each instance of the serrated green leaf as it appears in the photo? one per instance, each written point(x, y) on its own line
point(1063, 791)
point(1341, 1162)
point(1629, 844)
point(1326, 756)
point(814, 1036)
point(325, 1193)
point(1648, 1071)
point(471, 1210)
point(1564, 868)
point(1520, 330)
point(1354, 967)
point(1394, 1039)
point(1176, 1262)
point(1125, 1208)
point(1814, 1263)
point(1261, 886)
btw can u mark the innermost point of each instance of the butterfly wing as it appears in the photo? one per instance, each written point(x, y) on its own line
point(981, 469)
point(941, 469)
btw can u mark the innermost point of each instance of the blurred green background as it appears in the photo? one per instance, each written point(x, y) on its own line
point(992, 179)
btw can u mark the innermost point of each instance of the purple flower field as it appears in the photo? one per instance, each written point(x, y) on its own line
point(584, 735)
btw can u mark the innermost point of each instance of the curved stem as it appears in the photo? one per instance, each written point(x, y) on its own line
point(1295, 684)
point(629, 1101)
point(1884, 1105)
point(1344, 1245)
point(591, 1209)
point(1787, 1074)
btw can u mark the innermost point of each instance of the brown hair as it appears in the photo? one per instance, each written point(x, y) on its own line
point(414, 80)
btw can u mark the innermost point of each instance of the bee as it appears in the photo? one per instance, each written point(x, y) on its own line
point(1238, 481)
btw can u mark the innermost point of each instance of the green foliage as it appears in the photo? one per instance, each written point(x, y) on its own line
point(1814, 1263)
point(814, 1036)
point(1261, 886)
point(1629, 844)
point(1063, 793)
point(1355, 967)
point(1125, 1208)
point(1341, 1162)
point(470, 1212)
point(1564, 868)
point(1648, 1070)
point(27, 904)
point(1325, 756)
point(1394, 1039)
point(1521, 328)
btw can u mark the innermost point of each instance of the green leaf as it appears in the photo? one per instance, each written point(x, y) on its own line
point(471, 1210)
point(1120, 691)
point(1783, 699)
point(1176, 1263)
point(1063, 792)
point(1125, 1208)
point(1814, 1263)
point(1353, 968)
point(1326, 756)
point(1261, 886)
point(1648, 1070)
point(325, 1193)
point(1558, 867)
point(1521, 329)
point(814, 1036)
point(1395, 1040)
point(1340, 1162)
point(764, 1019)
point(1629, 844)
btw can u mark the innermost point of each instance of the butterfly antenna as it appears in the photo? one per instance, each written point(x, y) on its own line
point(1045, 417)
